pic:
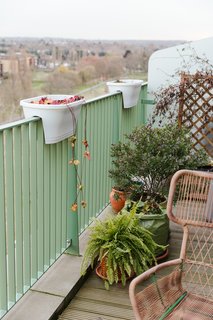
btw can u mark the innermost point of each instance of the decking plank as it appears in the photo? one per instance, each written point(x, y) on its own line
point(95, 282)
point(82, 315)
point(122, 297)
point(101, 308)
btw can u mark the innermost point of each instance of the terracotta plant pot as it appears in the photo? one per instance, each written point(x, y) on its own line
point(101, 271)
point(117, 199)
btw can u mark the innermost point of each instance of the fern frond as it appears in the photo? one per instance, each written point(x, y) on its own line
point(123, 243)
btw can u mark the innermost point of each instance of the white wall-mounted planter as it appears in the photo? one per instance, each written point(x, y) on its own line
point(59, 121)
point(130, 89)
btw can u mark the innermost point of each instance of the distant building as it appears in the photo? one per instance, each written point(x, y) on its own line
point(15, 63)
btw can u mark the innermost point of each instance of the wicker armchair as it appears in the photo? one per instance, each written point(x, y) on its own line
point(186, 293)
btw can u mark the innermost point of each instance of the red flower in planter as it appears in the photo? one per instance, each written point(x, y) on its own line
point(45, 100)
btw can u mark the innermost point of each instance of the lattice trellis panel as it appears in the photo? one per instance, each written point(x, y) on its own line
point(196, 109)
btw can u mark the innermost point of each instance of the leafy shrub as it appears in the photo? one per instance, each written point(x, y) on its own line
point(151, 156)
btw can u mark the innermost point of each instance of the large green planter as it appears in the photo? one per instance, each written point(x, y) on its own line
point(158, 225)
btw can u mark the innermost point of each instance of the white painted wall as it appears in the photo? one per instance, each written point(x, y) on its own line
point(163, 64)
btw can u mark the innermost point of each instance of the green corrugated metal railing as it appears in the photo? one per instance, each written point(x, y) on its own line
point(38, 186)
point(107, 122)
point(34, 206)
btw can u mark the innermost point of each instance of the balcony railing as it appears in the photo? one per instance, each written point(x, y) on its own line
point(38, 186)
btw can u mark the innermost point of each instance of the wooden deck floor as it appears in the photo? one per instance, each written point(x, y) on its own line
point(93, 302)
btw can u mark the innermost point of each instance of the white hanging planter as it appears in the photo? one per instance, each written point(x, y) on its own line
point(130, 89)
point(59, 120)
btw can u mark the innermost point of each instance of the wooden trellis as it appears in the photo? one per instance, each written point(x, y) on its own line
point(196, 109)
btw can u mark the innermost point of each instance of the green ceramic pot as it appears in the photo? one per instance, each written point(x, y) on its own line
point(158, 225)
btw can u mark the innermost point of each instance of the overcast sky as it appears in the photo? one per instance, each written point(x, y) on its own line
point(109, 19)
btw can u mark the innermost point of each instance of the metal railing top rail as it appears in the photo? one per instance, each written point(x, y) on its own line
point(17, 123)
point(23, 121)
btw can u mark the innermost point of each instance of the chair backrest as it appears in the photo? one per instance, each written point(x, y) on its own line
point(192, 194)
point(190, 204)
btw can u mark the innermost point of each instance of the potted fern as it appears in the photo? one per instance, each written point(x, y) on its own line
point(122, 247)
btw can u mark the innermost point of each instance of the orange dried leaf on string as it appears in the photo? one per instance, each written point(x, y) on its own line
point(87, 155)
point(73, 139)
point(76, 162)
point(84, 204)
point(85, 143)
point(74, 207)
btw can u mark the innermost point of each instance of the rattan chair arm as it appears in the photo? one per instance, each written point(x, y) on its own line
point(142, 277)
point(145, 275)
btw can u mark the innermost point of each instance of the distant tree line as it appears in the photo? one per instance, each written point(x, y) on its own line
point(65, 79)
point(96, 68)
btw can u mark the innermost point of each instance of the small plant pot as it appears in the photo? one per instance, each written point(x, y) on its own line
point(117, 200)
point(130, 90)
point(59, 121)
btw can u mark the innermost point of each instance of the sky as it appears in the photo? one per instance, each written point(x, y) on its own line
point(107, 19)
